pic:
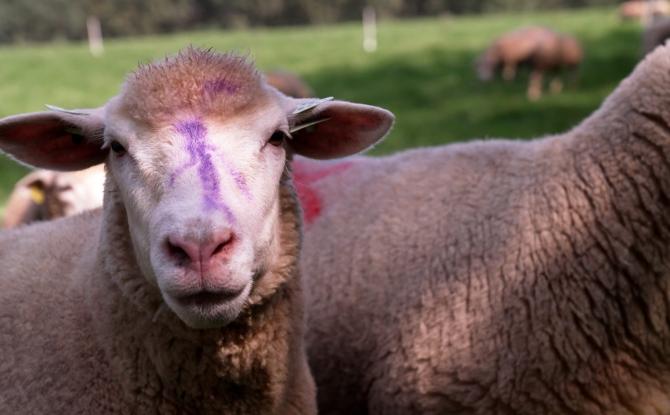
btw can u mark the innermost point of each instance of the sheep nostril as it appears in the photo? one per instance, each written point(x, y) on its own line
point(219, 248)
point(184, 252)
point(226, 240)
point(177, 254)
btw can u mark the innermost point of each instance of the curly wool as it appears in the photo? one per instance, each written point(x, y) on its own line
point(501, 277)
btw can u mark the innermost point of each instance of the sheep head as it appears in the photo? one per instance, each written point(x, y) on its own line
point(196, 147)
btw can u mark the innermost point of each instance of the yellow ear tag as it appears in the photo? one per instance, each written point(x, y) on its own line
point(37, 194)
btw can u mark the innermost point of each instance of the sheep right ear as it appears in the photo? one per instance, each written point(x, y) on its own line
point(57, 139)
point(327, 128)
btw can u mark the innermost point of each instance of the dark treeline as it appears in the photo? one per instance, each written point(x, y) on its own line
point(37, 20)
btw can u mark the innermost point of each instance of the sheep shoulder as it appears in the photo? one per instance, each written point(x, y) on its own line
point(417, 185)
point(487, 252)
point(45, 322)
point(46, 254)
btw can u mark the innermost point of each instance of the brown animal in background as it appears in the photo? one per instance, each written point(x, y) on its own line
point(641, 10)
point(289, 84)
point(542, 49)
point(46, 194)
point(655, 34)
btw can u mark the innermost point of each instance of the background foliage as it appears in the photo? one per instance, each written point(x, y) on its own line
point(38, 20)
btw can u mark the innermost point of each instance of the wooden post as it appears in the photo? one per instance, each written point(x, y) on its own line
point(94, 31)
point(369, 29)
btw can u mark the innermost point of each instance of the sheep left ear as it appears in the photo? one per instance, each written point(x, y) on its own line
point(326, 129)
point(57, 139)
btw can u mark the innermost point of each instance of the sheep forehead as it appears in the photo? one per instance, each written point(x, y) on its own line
point(197, 82)
point(153, 141)
point(201, 150)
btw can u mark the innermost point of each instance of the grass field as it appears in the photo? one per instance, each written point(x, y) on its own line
point(422, 72)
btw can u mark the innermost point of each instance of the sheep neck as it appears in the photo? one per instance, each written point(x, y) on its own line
point(163, 364)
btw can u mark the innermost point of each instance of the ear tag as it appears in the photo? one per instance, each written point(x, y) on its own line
point(36, 194)
point(306, 125)
point(310, 104)
point(58, 109)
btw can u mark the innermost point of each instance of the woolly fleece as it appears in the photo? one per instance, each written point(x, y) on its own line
point(501, 277)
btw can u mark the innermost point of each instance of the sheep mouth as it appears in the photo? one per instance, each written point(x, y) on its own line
point(208, 299)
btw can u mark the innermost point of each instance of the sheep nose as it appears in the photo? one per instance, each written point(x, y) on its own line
point(185, 252)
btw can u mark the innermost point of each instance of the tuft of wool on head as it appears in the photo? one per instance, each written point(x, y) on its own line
point(196, 81)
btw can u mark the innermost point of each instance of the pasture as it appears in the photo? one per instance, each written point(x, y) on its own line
point(423, 72)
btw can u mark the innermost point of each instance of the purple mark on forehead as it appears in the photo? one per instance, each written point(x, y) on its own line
point(181, 169)
point(238, 178)
point(217, 86)
point(195, 133)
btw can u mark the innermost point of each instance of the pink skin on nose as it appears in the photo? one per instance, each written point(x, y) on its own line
point(305, 178)
point(203, 255)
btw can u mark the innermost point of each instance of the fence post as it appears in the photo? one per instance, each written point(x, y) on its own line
point(94, 32)
point(369, 29)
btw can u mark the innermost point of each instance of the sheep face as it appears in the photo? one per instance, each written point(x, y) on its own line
point(202, 200)
point(74, 192)
point(196, 150)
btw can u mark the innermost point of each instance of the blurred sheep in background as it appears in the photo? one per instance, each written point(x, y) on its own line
point(289, 84)
point(642, 10)
point(540, 48)
point(45, 195)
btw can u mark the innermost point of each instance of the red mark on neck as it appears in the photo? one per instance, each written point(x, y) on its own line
point(305, 178)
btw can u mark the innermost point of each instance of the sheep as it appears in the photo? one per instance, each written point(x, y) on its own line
point(642, 10)
point(499, 276)
point(182, 294)
point(46, 194)
point(540, 48)
point(289, 84)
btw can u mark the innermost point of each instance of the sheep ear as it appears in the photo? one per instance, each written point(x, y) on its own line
point(325, 128)
point(57, 139)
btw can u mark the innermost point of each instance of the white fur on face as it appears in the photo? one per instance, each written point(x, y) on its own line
point(196, 187)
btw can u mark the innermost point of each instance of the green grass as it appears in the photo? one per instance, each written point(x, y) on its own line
point(422, 72)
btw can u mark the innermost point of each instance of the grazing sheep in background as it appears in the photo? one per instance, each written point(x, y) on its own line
point(642, 9)
point(289, 84)
point(540, 48)
point(655, 34)
point(45, 195)
point(499, 277)
point(182, 295)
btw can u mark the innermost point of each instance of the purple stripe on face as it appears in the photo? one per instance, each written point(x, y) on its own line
point(217, 86)
point(238, 178)
point(195, 133)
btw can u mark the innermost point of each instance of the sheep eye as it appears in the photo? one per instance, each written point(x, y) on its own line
point(117, 147)
point(277, 138)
